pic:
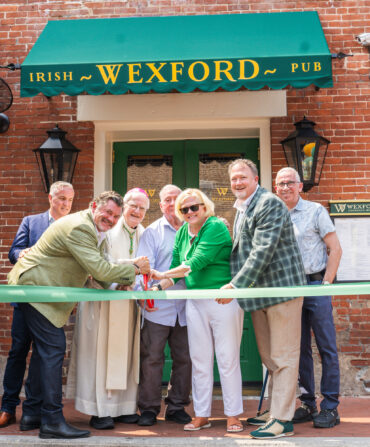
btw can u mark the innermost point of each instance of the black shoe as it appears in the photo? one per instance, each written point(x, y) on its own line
point(326, 419)
point(179, 416)
point(127, 418)
point(147, 418)
point(304, 413)
point(61, 430)
point(29, 422)
point(104, 423)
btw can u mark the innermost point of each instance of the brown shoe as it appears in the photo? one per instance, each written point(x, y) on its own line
point(6, 419)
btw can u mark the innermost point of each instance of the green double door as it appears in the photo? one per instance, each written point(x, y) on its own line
point(189, 164)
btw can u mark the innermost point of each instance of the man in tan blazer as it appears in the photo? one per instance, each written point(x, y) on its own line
point(67, 253)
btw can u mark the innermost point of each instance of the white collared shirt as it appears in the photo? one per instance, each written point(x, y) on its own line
point(241, 207)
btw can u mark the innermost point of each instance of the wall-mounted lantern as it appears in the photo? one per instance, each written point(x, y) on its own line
point(56, 158)
point(305, 151)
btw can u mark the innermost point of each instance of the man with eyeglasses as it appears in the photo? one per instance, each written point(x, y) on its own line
point(321, 253)
point(104, 373)
point(166, 322)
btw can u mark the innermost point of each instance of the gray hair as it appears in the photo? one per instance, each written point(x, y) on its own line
point(164, 189)
point(134, 192)
point(58, 186)
point(289, 170)
point(243, 161)
point(198, 194)
point(104, 197)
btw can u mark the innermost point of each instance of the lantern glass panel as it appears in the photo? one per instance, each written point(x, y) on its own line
point(69, 163)
point(290, 153)
point(51, 163)
point(321, 153)
point(307, 148)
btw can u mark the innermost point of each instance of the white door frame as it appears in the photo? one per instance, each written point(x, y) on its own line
point(179, 116)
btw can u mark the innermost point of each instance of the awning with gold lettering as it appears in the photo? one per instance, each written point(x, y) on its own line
point(178, 53)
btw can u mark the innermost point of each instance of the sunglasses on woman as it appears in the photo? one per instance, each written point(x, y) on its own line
point(193, 208)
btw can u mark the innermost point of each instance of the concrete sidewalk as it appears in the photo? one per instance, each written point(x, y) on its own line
point(354, 430)
point(202, 441)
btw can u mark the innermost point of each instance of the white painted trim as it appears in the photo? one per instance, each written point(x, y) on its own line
point(182, 106)
point(177, 117)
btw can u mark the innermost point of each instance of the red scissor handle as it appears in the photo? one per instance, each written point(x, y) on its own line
point(149, 302)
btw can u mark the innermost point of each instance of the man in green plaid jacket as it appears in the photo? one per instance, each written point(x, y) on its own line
point(265, 254)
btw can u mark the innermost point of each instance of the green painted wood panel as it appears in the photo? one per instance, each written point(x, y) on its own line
point(185, 173)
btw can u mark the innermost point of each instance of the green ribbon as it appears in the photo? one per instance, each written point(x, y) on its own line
point(46, 294)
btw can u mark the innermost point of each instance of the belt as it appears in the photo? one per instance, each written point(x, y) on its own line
point(316, 276)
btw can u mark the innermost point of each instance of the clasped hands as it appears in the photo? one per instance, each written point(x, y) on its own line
point(143, 263)
point(225, 300)
point(154, 274)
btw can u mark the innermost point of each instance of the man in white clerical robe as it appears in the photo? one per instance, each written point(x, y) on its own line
point(104, 371)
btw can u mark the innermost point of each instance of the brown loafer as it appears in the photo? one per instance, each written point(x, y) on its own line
point(6, 419)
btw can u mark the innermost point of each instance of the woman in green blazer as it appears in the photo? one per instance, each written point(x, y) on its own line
point(202, 255)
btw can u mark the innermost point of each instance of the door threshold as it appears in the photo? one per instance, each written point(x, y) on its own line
point(247, 391)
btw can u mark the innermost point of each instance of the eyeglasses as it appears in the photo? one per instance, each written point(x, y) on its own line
point(193, 208)
point(288, 184)
point(133, 206)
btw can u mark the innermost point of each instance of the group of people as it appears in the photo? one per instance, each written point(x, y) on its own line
point(115, 373)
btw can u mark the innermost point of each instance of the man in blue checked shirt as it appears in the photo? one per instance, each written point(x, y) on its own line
point(321, 253)
point(166, 322)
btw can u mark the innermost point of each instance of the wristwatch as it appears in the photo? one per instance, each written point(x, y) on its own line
point(159, 287)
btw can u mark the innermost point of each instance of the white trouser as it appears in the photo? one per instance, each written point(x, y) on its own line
point(215, 327)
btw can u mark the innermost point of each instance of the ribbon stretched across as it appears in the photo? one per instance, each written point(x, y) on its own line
point(45, 294)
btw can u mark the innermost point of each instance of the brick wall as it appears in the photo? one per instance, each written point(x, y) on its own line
point(341, 113)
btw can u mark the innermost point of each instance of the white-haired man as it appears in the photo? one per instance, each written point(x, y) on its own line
point(107, 336)
point(166, 322)
point(321, 252)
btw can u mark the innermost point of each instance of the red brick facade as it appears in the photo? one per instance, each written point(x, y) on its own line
point(342, 114)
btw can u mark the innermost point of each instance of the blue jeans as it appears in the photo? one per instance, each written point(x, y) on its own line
point(317, 314)
point(50, 343)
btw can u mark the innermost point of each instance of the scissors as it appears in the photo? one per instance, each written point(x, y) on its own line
point(144, 286)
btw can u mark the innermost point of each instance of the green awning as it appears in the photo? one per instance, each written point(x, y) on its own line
point(178, 53)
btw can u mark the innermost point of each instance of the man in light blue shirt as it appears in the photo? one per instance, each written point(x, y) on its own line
point(321, 253)
point(166, 322)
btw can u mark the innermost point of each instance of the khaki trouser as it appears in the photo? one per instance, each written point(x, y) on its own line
point(278, 334)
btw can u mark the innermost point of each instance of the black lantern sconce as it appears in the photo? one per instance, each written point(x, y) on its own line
point(56, 158)
point(305, 151)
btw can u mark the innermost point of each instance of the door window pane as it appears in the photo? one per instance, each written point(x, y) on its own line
point(214, 181)
point(149, 172)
